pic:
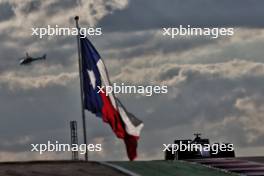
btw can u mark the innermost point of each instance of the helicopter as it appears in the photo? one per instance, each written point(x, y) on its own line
point(28, 59)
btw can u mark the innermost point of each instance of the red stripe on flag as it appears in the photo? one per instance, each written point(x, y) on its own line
point(131, 146)
point(111, 116)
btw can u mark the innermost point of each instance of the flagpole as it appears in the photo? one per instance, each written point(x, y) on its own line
point(81, 88)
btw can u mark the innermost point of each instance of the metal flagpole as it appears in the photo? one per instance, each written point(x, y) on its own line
point(81, 88)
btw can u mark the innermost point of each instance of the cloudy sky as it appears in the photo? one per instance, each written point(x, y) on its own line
point(215, 85)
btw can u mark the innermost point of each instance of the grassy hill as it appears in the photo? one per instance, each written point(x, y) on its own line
point(170, 168)
point(56, 168)
point(81, 168)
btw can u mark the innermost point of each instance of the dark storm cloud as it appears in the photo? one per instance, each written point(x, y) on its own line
point(57, 6)
point(153, 14)
point(130, 45)
point(31, 6)
point(201, 98)
point(232, 132)
point(6, 11)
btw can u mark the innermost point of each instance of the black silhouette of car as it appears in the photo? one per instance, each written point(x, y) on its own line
point(199, 148)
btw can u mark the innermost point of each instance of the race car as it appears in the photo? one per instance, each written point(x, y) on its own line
point(198, 148)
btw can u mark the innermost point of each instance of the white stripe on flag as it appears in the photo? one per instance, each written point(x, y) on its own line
point(105, 80)
point(92, 78)
point(130, 128)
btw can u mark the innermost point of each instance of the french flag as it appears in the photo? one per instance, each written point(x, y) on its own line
point(124, 124)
